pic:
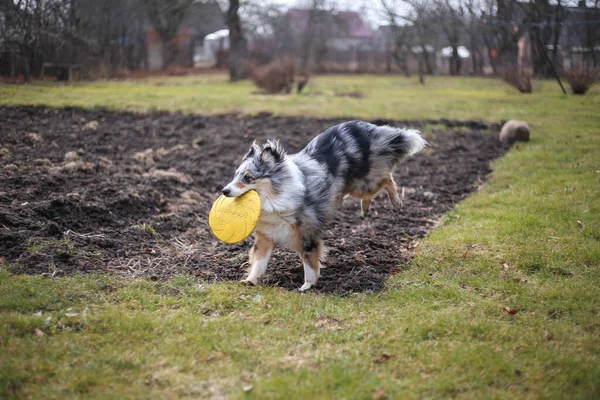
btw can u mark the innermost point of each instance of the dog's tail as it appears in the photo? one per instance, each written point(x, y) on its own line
point(399, 143)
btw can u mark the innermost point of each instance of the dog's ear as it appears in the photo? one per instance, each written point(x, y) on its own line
point(254, 151)
point(273, 152)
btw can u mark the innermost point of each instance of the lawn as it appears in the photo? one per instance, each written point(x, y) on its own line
point(501, 301)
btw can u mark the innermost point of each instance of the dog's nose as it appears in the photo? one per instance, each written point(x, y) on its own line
point(226, 191)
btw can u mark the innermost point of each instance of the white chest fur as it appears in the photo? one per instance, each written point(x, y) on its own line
point(277, 227)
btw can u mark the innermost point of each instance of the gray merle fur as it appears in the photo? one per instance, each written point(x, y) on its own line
point(300, 192)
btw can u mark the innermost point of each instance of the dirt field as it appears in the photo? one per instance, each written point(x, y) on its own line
point(84, 191)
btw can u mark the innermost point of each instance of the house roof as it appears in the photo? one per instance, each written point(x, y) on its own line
point(218, 35)
point(351, 23)
point(355, 24)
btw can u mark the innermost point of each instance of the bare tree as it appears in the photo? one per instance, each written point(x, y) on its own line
point(587, 31)
point(475, 28)
point(502, 36)
point(238, 45)
point(422, 20)
point(320, 25)
point(450, 16)
point(543, 22)
point(166, 17)
point(400, 36)
point(33, 31)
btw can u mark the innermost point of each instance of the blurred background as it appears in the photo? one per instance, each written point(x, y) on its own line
point(91, 39)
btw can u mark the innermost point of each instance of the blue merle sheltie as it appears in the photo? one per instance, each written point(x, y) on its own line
point(300, 192)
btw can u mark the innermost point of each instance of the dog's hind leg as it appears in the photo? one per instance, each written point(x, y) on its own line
point(311, 255)
point(365, 204)
point(392, 189)
point(259, 257)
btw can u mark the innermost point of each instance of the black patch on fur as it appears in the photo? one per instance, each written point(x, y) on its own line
point(325, 150)
point(399, 145)
point(359, 167)
point(275, 149)
point(309, 245)
point(253, 151)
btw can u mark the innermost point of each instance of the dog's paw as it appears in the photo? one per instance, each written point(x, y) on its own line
point(305, 287)
point(249, 282)
point(396, 202)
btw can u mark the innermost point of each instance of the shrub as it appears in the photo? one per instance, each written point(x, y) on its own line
point(581, 78)
point(278, 76)
point(518, 78)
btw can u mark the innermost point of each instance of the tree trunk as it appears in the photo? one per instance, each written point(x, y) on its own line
point(170, 53)
point(401, 62)
point(557, 29)
point(307, 45)
point(427, 59)
point(388, 60)
point(25, 59)
point(420, 66)
point(455, 65)
point(238, 46)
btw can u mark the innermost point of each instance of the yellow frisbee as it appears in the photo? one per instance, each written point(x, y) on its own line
point(233, 219)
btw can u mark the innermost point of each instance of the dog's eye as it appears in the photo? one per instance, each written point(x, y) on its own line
point(248, 178)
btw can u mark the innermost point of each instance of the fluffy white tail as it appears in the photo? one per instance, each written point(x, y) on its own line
point(414, 141)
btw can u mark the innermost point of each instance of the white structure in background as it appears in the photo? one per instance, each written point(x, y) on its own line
point(428, 48)
point(444, 55)
point(213, 42)
point(447, 52)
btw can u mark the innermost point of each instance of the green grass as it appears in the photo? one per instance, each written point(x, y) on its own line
point(529, 240)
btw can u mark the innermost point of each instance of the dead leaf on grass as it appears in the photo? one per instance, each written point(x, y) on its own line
point(321, 323)
point(379, 393)
point(505, 267)
point(508, 310)
point(329, 323)
point(247, 388)
point(383, 358)
point(38, 332)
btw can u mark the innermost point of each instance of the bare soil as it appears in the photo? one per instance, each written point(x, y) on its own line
point(89, 191)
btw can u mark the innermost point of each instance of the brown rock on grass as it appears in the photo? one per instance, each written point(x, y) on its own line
point(513, 131)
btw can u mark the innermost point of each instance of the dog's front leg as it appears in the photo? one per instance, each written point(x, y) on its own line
point(259, 258)
point(311, 254)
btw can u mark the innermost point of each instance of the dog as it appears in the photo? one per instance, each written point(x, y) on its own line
point(300, 192)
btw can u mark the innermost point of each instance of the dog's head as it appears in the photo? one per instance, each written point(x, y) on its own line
point(257, 169)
